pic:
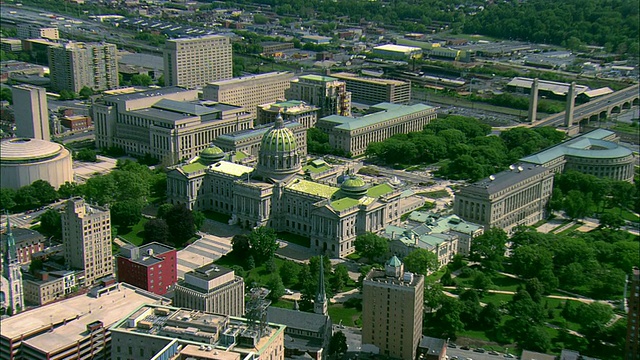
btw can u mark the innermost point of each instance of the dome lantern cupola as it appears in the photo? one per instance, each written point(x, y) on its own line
point(211, 155)
point(279, 157)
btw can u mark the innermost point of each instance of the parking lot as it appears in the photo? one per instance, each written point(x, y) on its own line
point(462, 354)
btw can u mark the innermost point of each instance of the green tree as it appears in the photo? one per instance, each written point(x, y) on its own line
point(160, 80)
point(156, 230)
point(141, 80)
point(490, 316)
point(126, 213)
point(529, 260)
point(339, 278)
point(338, 344)
point(240, 245)
point(87, 155)
point(448, 318)
point(44, 192)
point(163, 210)
point(6, 95)
point(7, 197)
point(371, 245)
point(275, 286)
point(260, 19)
point(577, 204)
point(198, 219)
point(86, 92)
point(101, 189)
point(489, 248)
point(180, 222)
point(69, 190)
point(289, 272)
point(421, 261)
point(535, 338)
point(263, 243)
point(611, 220)
point(26, 198)
point(51, 223)
point(481, 281)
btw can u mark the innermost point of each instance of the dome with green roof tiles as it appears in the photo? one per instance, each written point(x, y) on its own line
point(278, 157)
point(211, 155)
point(354, 186)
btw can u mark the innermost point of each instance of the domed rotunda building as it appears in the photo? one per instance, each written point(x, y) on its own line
point(23, 161)
point(276, 194)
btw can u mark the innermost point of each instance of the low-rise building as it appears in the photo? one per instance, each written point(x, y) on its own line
point(306, 334)
point(152, 267)
point(211, 288)
point(514, 197)
point(27, 243)
point(76, 122)
point(46, 287)
point(33, 31)
point(398, 51)
point(368, 90)
point(164, 332)
point(271, 47)
point(291, 111)
point(432, 349)
point(10, 45)
point(352, 135)
point(403, 241)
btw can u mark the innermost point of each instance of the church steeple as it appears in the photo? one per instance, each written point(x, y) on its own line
point(320, 304)
point(11, 271)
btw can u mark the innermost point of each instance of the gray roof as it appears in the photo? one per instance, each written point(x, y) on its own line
point(433, 346)
point(532, 355)
point(209, 271)
point(161, 114)
point(145, 94)
point(589, 145)
point(389, 111)
point(256, 131)
point(185, 107)
point(299, 320)
point(505, 179)
point(21, 235)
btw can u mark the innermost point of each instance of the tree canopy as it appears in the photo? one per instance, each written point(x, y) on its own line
point(371, 245)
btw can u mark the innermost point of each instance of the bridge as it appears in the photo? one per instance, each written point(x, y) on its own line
point(597, 109)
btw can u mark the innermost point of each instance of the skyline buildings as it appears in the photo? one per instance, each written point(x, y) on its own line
point(74, 65)
point(31, 112)
point(196, 61)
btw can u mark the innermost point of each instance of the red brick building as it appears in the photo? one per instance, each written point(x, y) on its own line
point(152, 267)
point(76, 122)
point(28, 242)
point(632, 350)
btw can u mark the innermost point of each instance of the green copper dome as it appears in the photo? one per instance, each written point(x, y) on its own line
point(278, 158)
point(354, 186)
point(279, 138)
point(211, 155)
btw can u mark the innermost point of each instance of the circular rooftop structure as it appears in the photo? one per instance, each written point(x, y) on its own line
point(279, 138)
point(278, 157)
point(211, 155)
point(354, 186)
point(23, 161)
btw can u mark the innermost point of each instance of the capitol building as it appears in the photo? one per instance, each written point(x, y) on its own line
point(276, 194)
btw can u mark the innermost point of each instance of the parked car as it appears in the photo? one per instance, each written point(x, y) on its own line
point(452, 345)
point(479, 350)
point(288, 292)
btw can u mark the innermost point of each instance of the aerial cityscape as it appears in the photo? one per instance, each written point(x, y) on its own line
point(317, 180)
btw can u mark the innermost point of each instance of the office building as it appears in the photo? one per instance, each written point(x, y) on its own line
point(27, 243)
point(10, 45)
point(329, 94)
point(249, 91)
point(291, 111)
point(275, 194)
point(632, 347)
point(398, 51)
point(74, 65)
point(23, 161)
point(86, 235)
point(369, 91)
point(510, 198)
point(12, 292)
point(392, 310)
point(195, 62)
point(353, 135)
point(595, 153)
point(45, 287)
point(30, 109)
point(211, 288)
point(164, 332)
point(169, 124)
point(432, 349)
point(33, 31)
point(72, 328)
point(152, 267)
point(248, 141)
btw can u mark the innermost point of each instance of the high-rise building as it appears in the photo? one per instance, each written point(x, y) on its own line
point(632, 349)
point(32, 115)
point(74, 65)
point(368, 90)
point(86, 235)
point(211, 288)
point(152, 267)
point(195, 62)
point(326, 92)
point(13, 294)
point(32, 31)
point(392, 306)
point(249, 91)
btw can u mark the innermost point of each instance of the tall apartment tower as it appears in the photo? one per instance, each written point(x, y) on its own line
point(320, 304)
point(632, 349)
point(74, 65)
point(392, 309)
point(32, 115)
point(195, 62)
point(249, 91)
point(326, 92)
point(86, 235)
point(13, 295)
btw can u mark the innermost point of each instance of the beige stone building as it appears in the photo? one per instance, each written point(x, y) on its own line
point(164, 332)
point(74, 65)
point(368, 90)
point(249, 91)
point(352, 135)
point(329, 94)
point(392, 310)
point(48, 286)
point(275, 194)
point(514, 197)
point(195, 62)
point(292, 110)
point(170, 124)
point(31, 113)
point(86, 236)
point(248, 141)
point(213, 289)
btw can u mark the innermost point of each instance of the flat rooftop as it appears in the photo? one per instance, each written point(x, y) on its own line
point(256, 131)
point(397, 48)
point(256, 77)
point(322, 78)
point(312, 188)
point(230, 168)
point(388, 111)
point(78, 312)
point(209, 271)
point(370, 80)
point(507, 178)
point(145, 94)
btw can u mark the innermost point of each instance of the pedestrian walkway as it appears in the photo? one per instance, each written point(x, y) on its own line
point(203, 251)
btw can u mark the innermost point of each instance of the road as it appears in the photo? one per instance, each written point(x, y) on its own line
point(596, 105)
point(470, 354)
point(23, 220)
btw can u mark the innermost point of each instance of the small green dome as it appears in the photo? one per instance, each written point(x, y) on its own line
point(211, 154)
point(354, 186)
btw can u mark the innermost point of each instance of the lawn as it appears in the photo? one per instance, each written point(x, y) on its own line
point(571, 229)
point(134, 234)
point(258, 274)
point(624, 213)
point(500, 282)
point(628, 128)
point(348, 316)
point(438, 194)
